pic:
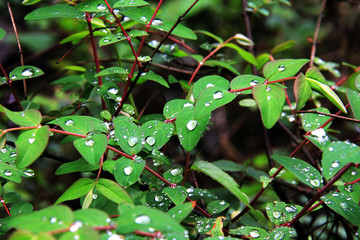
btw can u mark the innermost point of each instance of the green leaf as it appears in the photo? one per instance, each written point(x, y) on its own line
point(354, 100)
point(82, 233)
point(30, 145)
point(157, 199)
point(111, 70)
point(357, 82)
point(2, 33)
point(210, 99)
point(80, 165)
point(345, 205)
point(9, 172)
point(176, 194)
point(221, 177)
point(48, 219)
point(174, 175)
point(119, 36)
point(130, 3)
point(25, 72)
point(336, 155)
point(172, 107)
point(21, 207)
point(312, 121)
point(209, 81)
point(251, 232)
point(79, 36)
point(92, 6)
point(91, 217)
point(156, 134)
point(213, 63)
point(319, 84)
point(270, 100)
point(283, 68)
point(80, 124)
point(130, 137)
point(302, 91)
point(280, 212)
point(245, 81)
point(54, 11)
point(180, 212)
point(92, 147)
point(188, 129)
point(243, 40)
point(247, 56)
point(217, 206)
point(283, 46)
point(78, 189)
point(302, 170)
point(283, 233)
point(27, 118)
point(112, 191)
point(229, 166)
point(150, 75)
point(127, 172)
point(209, 34)
point(26, 235)
point(203, 225)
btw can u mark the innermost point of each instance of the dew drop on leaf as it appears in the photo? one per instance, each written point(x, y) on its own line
point(89, 143)
point(331, 149)
point(101, 7)
point(343, 205)
point(157, 22)
point(29, 172)
point(254, 82)
point(143, 18)
point(112, 91)
point(279, 236)
point(143, 219)
point(53, 220)
point(31, 140)
point(290, 209)
point(133, 141)
point(268, 98)
point(276, 214)
point(188, 105)
point(22, 114)
point(191, 125)
point(128, 170)
point(315, 182)
point(27, 72)
point(175, 171)
point(210, 85)
point(159, 198)
point(207, 104)
point(281, 67)
point(150, 140)
point(254, 234)
point(335, 164)
point(268, 88)
point(69, 123)
point(218, 95)
point(222, 202)
point(94, 196)
point(8, 173)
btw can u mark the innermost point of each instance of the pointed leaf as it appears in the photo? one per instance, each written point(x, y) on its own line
point(247, 56)
point(302, 170)
point(127, 172)
point(221, 177)
point(2, 33)
point(54, 11)
point(283, 46)
point(112, 191)
point(27, 118)
point(283, 68)
point(302, 91)
point(119, 36)
point(92, 148)
point(156, 134)
point(245, 81)
point(130, 3)
point(78, 189)
point(180, 212)
point(9, 172)
point(270, 100)
point(25, 72)
point(80, 124)
point(130, 136)
point(176, 194)
point(218, 63)
point(111, 70)
point(30, 145)
point(174, 175)
point(150, 75)
point(80, 165)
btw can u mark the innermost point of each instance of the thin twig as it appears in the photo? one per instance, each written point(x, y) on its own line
point(330, 115)
point(248, 33)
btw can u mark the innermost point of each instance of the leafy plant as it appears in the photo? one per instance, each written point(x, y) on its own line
point(126, 181)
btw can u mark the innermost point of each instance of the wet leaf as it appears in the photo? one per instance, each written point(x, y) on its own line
point(176, 194)
point(127, 172)
point(283, 68)
point(112, 191)
point(92, 147)
point(217, 206)
point(80, 165)
point(302, 91)
point(130, 136)
point(181, 211)
point(25, 72)
point(78, 189)
point(54, 11)
point(245, 81)
point(172, 107)
point(156, 134)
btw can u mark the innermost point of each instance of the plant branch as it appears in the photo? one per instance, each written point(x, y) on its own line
point(9, 82)
point(5, 207)
point(330, 115)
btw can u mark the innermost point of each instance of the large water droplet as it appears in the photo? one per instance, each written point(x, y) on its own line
point(128, 170)
point(276, 214)
point(94, 196)
point(254, 234)
point(27, 72)
point(143, 219)
point(143, 18)
point(222, 202)
point(279, 235)
point(210, 85)
point(101, 7)
point(335, 164)
point(157, 22)
point(175, 171)
point(343, 205)
point(4, 150)
point(218, 95)
point(150, 140)
point(133, 141)
point(254, 82)
point(113, 91)
point(281, 67)
point(53, 220)
point(8, 173)
point(331, 149)
point(291, 209)
point(268, 98)
point(31, 140)
point(191, 125)
point(89, 143)
point(76, 226)
point(315, 182)
point(29, 172)
point(69, 123)
point(188, 105)
point(159, 198)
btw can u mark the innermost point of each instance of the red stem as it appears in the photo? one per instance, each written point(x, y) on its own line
point(4, 205)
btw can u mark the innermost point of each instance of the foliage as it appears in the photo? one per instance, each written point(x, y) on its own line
point(124, 180)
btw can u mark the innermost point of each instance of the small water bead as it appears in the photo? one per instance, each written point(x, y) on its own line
point(331, 149)
point(268, 98)
point(53, 220)
point(218, 95)
point(153, 43)
point(207, 104)
point(69, 123)
point(29, 172)
point(315, 182)
point(281, 67)
point(254, 234)
point(210, 85)
point(4, 150)
point(143, 219)
point(353, 173)
point(188, 105)
point(279, 236)
point(222, 202)
point(175, 171)
point(254, 82)
point(101, 7)
point(128, 170)
point(143, 18)
point(31, 140)
point(113, 91)
point(27, 72)
point(343, 205)
point(150, 141)
point(157, 22)
point(276, 214)
point(191, 125)
point(89, 143)
point(133, 141)
point(291, 209)
point(8, 173)
point(268, 88)
point(335, 164)
point(94, 196)
point(76, 226)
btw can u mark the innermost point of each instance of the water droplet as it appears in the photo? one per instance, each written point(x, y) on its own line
point(153, 43)
point(191, 125)
point(157, 22)
point(343, 205)
point(101, 7)
point(159, 198)
point(315, 182)
point(291, 209)
point(335, 164)
point(268, 88)
point(27, 72)
point(279, 235)
point(143, 219)
point(218, 95)
point(222, 202)
point(128, 170)
point(31, 140)
point(281, 67)
point(254, 82)
point(150, 140)
point(133, 141)
point(89, 143)
point(94, 196)
point(175, 171)
point(29, 172)
point(76, 226)
point(53, 220)
point(268, 98)
point(8, 173)
point(188, 105)
point(69, 123)
point(254, 234)
point(276, 214)
point(4, 150)
point(210, 85)
point(143, 18)
point(22, 114)
point(113, 91)
point(331, 149)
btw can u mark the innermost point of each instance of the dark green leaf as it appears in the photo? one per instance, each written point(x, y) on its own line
point(174, 175)
point(176, 194)
point(111, 70)
point(156, 134)
point(127, 172)
point(21, 207)
point(30, 145)
point(157, 199)
point(130, 3)
point(250, 232)
point(270, 100)
point(172, 107)
point(117, 37)
point(280, 212)
point(245, 81)
point(229, 166)
point(312, 121)
point(80, 165)
point(302, 91)
point(79, 36)
point(354, 100)
point(302, 170)
point(283, 68)
point(217, 206)
point(92, 147)
point(221, 177)
point(283, 233)
point(2, 33)
point(130, 136)
point(81, 187)
point(54, 11)
point(27, 118)
point(203, 225)
point(113, 191)
point(25, 72)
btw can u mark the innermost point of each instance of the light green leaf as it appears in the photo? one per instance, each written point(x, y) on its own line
point(312, 121)
point(243, 40)
point(209, 34)
point(91, 217)
point(130, 3)
point(21, 207)
point(229, 166)
point(336, 155)
point(250, 231)
point(130, 137)
point(127, 172)
point(222, 64)
point(119, 36)
point(270, 100)
point(302, 170)
point(54, 11)
point(111, 70)
point(150, 75)
point(176, 194)
point(209, 81)
point(25, 72)
point(302, 91)
point(27, 118)
point(245, 81)
point(172, 107)
point(30, 145)
point(247, 56)
point(76, 37)
point(30, 2)
point(78, 189)
point(217, 206)
point(283, 68)
point(281, 212)
point(221, 177)
point(80, 165)
point(9, 172)
point(354, 100)
point(156, 134)
point(80, 124)
point(92, 147)
point(112, 191)
point(174, 175)
point(283, 46)
point(92, 6)
point(180, 212)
